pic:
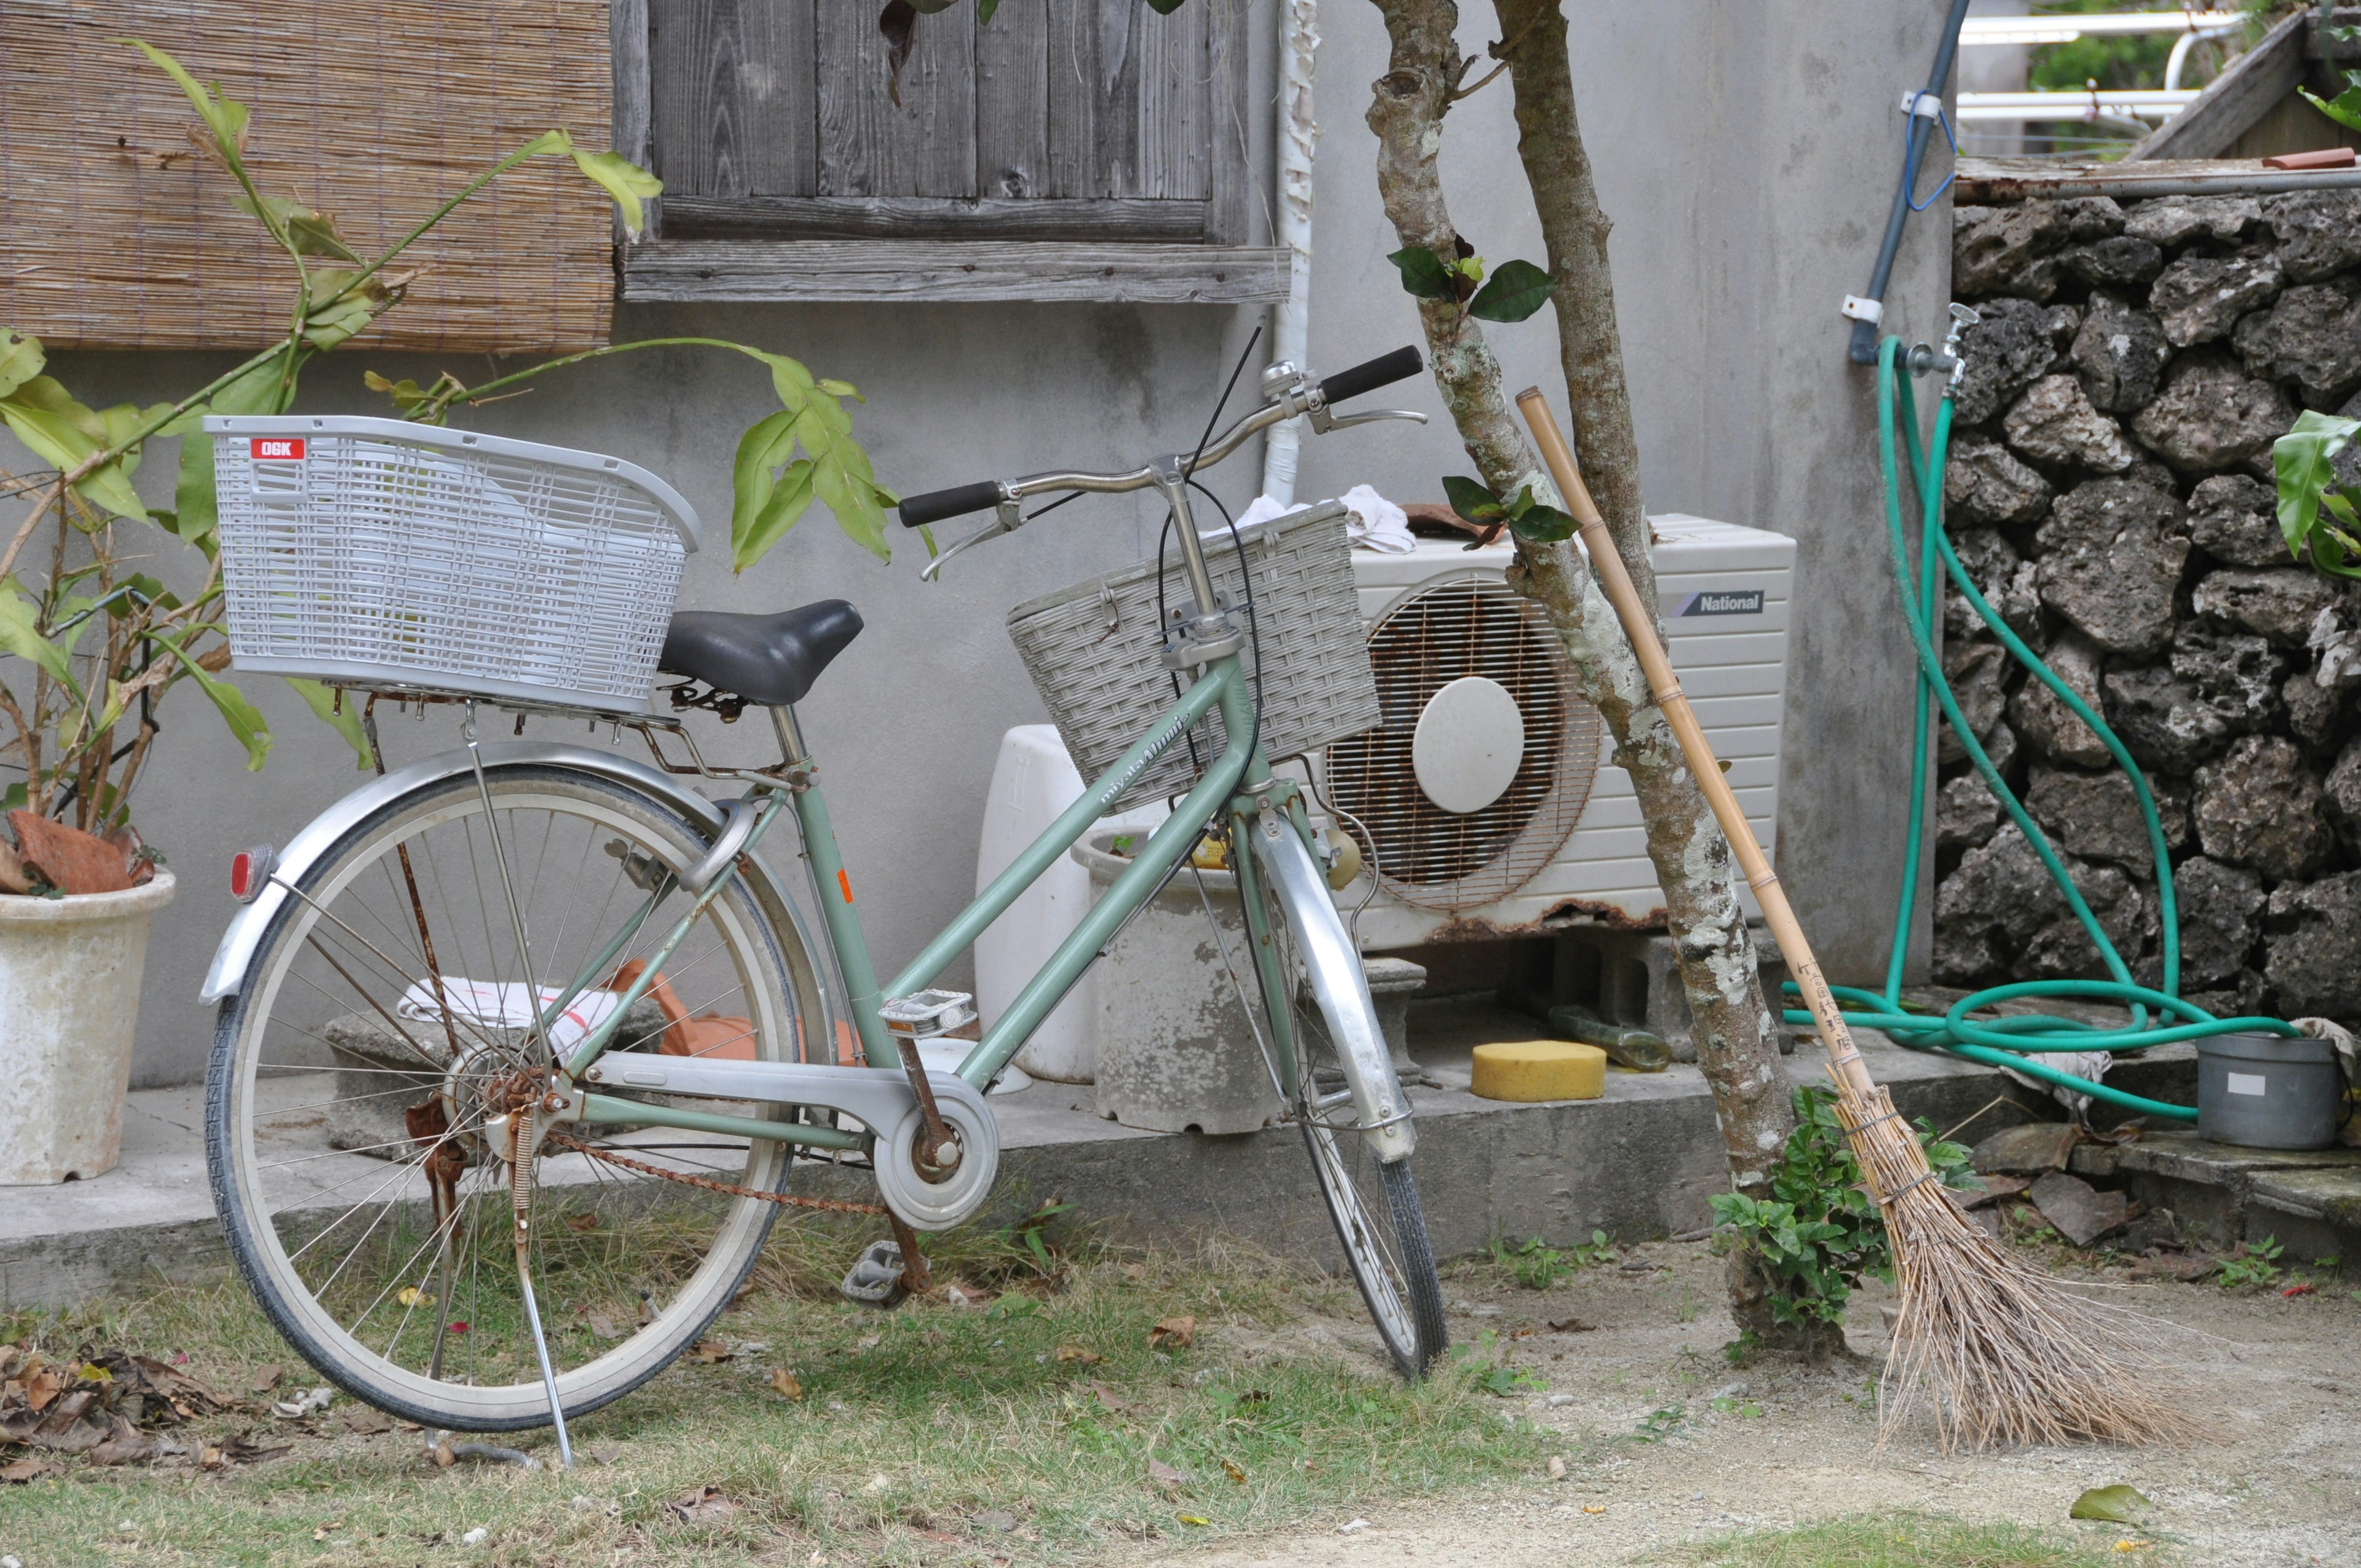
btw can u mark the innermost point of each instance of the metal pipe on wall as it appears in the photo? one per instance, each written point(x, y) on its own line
point(1297, 134)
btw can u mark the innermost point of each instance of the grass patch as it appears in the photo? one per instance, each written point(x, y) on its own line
point(1908, 1541)
point(1036, 1426)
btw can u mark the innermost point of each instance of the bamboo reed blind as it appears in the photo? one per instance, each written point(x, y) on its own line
point(121, 236)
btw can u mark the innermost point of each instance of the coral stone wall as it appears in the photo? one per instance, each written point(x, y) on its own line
point(2109, 490)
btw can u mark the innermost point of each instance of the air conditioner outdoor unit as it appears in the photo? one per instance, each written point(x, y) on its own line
point(1488, 792)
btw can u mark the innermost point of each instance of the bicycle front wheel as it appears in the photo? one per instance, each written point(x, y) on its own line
point(363, 1199)
point(1372, 1202)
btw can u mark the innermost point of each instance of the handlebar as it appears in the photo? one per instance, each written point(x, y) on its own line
point(1294, 394)
point(1367, 377)
point(959, 500)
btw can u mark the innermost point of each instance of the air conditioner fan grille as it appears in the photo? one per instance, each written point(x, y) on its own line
point(1439, 859)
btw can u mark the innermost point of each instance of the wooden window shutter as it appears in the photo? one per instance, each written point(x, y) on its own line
point(1102, 135)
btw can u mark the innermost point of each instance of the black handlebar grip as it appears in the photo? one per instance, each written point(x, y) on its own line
point(957, 501)
point(1382, 371)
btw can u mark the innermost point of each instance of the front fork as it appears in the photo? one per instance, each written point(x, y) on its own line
point(1271, 846)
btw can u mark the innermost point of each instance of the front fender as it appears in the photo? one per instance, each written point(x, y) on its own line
point(238, 944)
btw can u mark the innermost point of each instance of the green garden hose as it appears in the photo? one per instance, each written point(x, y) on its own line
point(2001, 1040)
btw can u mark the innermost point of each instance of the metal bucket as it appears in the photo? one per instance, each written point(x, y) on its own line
point(2263, 1092)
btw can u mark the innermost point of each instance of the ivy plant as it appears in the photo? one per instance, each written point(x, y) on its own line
point(1819, 1232)
point(100, 639)
point(1514, 291)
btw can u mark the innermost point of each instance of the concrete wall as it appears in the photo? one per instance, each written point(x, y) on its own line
point(1747, 155)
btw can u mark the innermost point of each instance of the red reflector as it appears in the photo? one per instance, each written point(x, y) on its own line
point(282, 448)
point(249, 872)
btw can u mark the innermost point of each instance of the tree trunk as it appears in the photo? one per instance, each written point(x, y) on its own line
point(1736, 1034)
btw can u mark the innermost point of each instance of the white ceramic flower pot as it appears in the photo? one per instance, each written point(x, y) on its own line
point(69, 972)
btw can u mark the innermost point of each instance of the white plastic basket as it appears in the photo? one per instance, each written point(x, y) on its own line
point(377, 552)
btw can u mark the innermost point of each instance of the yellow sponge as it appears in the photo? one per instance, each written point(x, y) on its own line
point(1539, 1069)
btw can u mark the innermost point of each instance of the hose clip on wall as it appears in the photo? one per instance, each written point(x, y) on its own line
point(1925, 104)
point(1861, 310)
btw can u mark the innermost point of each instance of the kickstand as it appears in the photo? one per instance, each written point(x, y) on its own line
point(519, 1179)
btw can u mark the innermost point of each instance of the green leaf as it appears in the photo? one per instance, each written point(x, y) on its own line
point(1425, 274)
point(836, 389)
point(787, 502)
point(1473, 500)
point(20, 635)
point(2344, 108)
point(223, 115)
point(2302, 462)
point(1164, 8)
point(792, 383)
point(335, 323)
point(20, 360)
point(344, 718)
point(245, 720)
point(623, 180)
point(194, 512)
point(2116, 1505)
point(1517, 289)
point(983, 10)
point(65, 434)
point(761, 451)
point(1544, 524)
point(851, 494)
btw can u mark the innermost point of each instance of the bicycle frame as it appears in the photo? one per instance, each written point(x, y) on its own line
point(1221, 685)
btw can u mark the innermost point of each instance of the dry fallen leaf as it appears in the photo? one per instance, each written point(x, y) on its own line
point(30, 1470)
point(41, 1388)
point(125, 1444)
point(1594, 1507)
point(1557, 1467)
point(584, 1221)
point(1572, 1326)
point(1179, 1333)
point(265, 1378)
point(1163, 1474)
point(321, 1532)
point(1076, 1353)
point(369, 1423)
point(1107, 1399)
point(443, 1456)
point(706, 1352)
point(704, 1504)
point(784, 1382)
point(1230, 1467)
point(604, 1327)
point(409, 1295)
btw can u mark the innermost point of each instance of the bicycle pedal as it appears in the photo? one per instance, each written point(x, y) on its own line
point(875, 1278)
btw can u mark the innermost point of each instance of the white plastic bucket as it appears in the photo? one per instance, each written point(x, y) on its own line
point(69, 972)
point(1033, 782)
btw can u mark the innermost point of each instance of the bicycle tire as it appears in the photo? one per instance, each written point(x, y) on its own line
point(258, 1224)
point(1373, 1204)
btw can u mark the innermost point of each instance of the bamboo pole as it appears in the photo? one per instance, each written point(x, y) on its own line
point(1640, 626)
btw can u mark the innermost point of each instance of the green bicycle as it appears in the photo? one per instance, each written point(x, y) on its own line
point(518, 1045)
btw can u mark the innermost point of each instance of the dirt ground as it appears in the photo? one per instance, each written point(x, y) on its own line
point(1652, 1461)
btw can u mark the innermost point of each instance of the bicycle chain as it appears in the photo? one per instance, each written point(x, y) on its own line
point(826, 1205)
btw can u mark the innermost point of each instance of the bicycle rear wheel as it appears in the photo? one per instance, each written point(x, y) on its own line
point(363, 1200)
point(1372, 1202)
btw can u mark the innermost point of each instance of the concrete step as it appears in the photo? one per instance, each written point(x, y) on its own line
point(2220, 1195)
point(1638, 1164)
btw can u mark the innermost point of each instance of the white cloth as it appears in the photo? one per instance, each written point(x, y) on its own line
point(1374, 523)
point(501, 1005)
point(2089, 1064)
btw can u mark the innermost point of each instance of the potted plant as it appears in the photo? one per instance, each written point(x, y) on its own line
point(93, 640)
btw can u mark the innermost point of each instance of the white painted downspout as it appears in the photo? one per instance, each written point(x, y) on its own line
point(1299, 41)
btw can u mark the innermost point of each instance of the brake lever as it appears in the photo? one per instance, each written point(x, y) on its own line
point(1322, 421)
point(1006, 519)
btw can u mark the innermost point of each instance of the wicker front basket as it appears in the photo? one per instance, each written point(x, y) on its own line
point(1092, 651)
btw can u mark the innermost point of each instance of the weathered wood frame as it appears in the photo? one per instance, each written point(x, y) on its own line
point(869, 248)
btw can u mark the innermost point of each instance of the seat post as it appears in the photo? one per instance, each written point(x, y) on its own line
point(790, 734)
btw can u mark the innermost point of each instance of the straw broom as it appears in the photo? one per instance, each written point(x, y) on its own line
point(1997, 1351)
